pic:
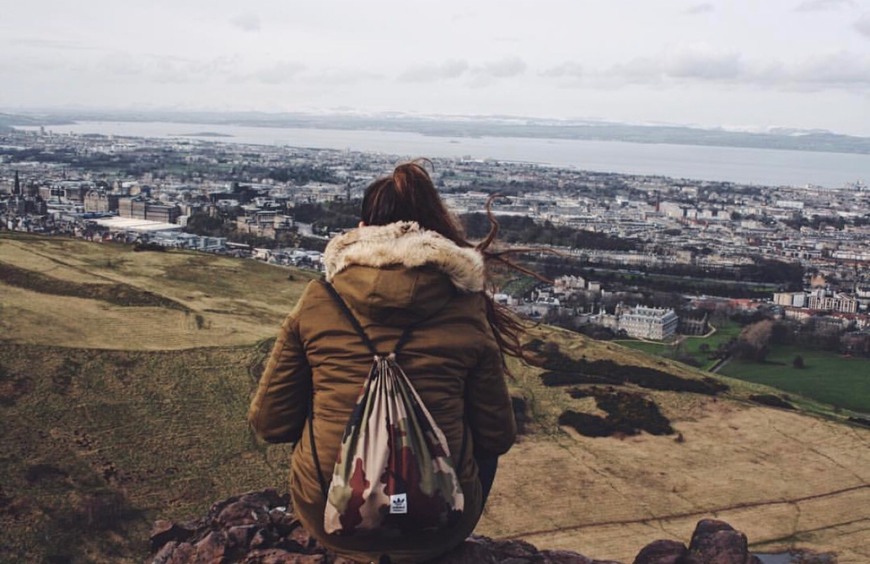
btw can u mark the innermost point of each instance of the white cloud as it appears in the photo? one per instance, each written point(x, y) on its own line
point(823, 5)
point(703, 66)
point(338, 77)
point(569, 69)
point(121, 63)
point(278, 73)
point(689, 65)
point(842, 70)
point(247, 22)
point(835, 70)
point(433, 72)
point(503, 68)
point(482, 73)
point(703, 8)
point(862, 26)
point(42, 43)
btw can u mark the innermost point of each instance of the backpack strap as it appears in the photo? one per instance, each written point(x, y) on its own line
point(406, 334)
point(403, 339)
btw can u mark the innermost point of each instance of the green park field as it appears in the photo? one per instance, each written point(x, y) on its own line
point(690, 346)
point(827, 377)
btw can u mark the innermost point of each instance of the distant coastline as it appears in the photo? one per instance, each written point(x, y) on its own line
point(200, 134)
point(477, 126)
point(741, 165)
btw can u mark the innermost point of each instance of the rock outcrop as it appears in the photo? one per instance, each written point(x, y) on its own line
point(259, 528)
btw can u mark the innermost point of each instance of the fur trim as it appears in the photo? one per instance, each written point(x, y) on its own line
point(407, 244)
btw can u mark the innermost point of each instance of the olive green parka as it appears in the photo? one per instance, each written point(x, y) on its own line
point(390, 276)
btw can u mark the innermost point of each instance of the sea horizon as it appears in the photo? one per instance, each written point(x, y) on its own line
point(740, 165)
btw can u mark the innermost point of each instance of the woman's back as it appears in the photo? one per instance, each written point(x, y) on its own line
point(407, 265)
point(391, 277)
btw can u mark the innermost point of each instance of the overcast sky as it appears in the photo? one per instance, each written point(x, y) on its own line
point(731, 63)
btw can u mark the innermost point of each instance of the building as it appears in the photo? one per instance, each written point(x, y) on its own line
point(140, 208)
point(788, 299)
point(838, 302)
point(100, 201)
point(694, 325)
point(648, 322)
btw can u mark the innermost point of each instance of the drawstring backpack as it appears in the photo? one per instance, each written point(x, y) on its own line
point(393, 473)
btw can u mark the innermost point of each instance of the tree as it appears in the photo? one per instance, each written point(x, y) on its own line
point(753, 340)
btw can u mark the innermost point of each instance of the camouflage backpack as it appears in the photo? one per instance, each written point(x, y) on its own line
point(393, 473)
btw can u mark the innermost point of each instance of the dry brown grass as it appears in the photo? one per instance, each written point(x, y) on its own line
point(168, 416)
point(788, 480)
point(231, 302)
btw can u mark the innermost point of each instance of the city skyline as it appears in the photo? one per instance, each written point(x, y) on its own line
point(801, 64)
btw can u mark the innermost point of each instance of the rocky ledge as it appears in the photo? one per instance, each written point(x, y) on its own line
point(259, 528)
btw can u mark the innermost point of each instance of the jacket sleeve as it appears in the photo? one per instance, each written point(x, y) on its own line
point(280, 406)
point(489, 408)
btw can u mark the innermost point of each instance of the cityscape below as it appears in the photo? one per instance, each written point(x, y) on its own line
point(625, 238)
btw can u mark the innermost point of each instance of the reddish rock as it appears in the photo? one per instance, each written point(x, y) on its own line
point(301, 537)
point(568, 557)
point(163, 532)
point(278, 556)
point(258, 528)
point(716, 542)
point(243, 513)
point(181, 553)
point(662, 552)
point(472, 551)
point(212, 548)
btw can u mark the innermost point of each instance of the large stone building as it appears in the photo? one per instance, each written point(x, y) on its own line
point(837, 302)
point(648, 322)
point(101, 201)
point(140, 208)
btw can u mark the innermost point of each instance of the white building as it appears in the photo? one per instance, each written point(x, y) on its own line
point(838, 302)
point(795, 299)
point(648, 322)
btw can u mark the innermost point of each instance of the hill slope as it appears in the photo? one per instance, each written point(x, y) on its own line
point(124, 380)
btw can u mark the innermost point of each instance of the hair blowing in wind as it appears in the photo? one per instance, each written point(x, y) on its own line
point(410, 195)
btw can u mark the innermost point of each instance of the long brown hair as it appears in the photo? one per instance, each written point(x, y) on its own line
point(410, 195)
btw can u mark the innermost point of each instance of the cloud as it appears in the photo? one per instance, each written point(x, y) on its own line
point(121, 63)
point(823, 5)
point(569, 69)
point(42, 43)
point(247, 22)
point(683, 66)
point(842, 70)
point(481, 74)
point(339, 77)
point(434, 72)
point(703, 66)
point(703, 8)
point(278, 73)
point(862, 26)
point(504, 68)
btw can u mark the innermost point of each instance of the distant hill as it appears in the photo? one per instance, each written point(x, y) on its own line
point(490, 126)
point(125, 377)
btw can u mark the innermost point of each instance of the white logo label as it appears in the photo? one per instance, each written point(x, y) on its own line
point(399, 503)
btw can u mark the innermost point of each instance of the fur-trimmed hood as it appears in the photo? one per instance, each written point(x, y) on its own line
point(407, 244)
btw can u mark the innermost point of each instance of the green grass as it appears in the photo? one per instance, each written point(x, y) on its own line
point(827, 377)
point(690, 346)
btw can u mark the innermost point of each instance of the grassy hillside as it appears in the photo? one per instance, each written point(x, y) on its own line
point(124, 380)
point(826, 376)
point(829, 377)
